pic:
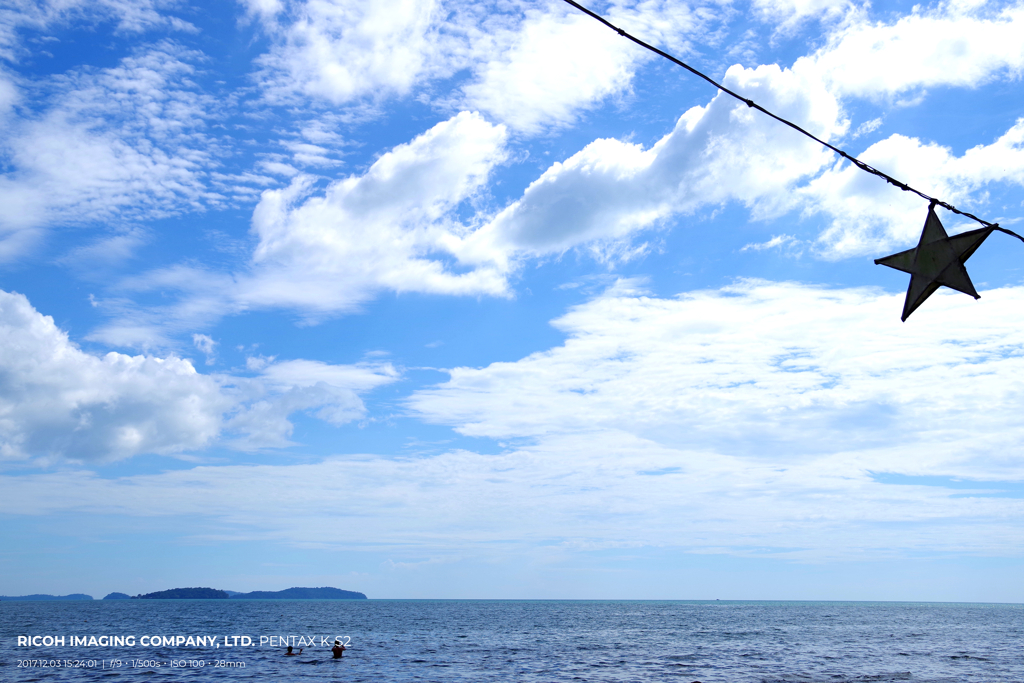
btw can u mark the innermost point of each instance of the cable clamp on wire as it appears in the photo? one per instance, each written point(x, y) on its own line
point(750, 103)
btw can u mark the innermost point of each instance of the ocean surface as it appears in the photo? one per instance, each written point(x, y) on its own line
point(506, 640)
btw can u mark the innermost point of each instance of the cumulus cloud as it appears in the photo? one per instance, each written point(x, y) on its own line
point(953, 44)
point(323, 252)
point(59, 402)
point(390, 228)
point(340, 50)
point(715, 154)
point(867, 215)
point(417, 219)
point(399, 225)
point(558, 61)
point(532, 65)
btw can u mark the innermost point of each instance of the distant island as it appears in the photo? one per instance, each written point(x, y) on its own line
point(37, 596)
point(185, 594)
point(324, 593)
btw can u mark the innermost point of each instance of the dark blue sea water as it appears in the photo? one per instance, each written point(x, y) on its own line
point(482, 640)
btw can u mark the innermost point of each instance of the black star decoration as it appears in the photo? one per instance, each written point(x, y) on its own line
point(937, 260)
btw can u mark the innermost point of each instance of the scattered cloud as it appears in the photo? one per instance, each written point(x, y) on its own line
point(533, 65)
point(130, 16)
point(557, 62)
point(60, 403)
point(325, 252)
point(106, 251)
point(206, 344)
point(113, 145)
point(776, 242)
point(683, 369)
point(391, 228)
point(867, 127)
point(327, 392)
point(788, 15)
point(868, 215)
point(602, 195)
point(955, 44)
point(342, 50)
point(766, 444)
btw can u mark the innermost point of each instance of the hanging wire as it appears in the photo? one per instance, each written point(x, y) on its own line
point(754, 105)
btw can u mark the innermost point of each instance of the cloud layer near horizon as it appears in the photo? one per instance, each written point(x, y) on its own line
point(752, 420)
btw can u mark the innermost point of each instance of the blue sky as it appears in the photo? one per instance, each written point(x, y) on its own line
point(469, 300)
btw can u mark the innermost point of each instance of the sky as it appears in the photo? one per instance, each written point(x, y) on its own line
point(433, 299)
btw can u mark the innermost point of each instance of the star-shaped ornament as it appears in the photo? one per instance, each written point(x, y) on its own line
point(937, 260)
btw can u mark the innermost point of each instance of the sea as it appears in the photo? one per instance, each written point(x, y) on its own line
point(511, 640)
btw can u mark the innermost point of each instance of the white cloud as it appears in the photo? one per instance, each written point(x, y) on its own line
point(954, 44)
point(783, 396)
point(328, 392)
point(532, 64)
point(597, 492)
point(750, 420)
point(119, 144)
point(390, 228)
point(776, 242)
point(132, 16)
point(59, 402)
point(9, 95)
point(341, 50)
point(866, 128)
point(396, 226)
point(718, 153)
point(205, 299)
point(558, 61)
point(768, 370)
point(106, 251)
point(869, 215)
point(206, 344)
point(786, 16)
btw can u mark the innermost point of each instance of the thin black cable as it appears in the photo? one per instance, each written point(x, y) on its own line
point(1008, 232)
point(754, 105)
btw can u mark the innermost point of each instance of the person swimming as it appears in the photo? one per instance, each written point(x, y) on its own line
point(338, 649)
point(289, 653)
